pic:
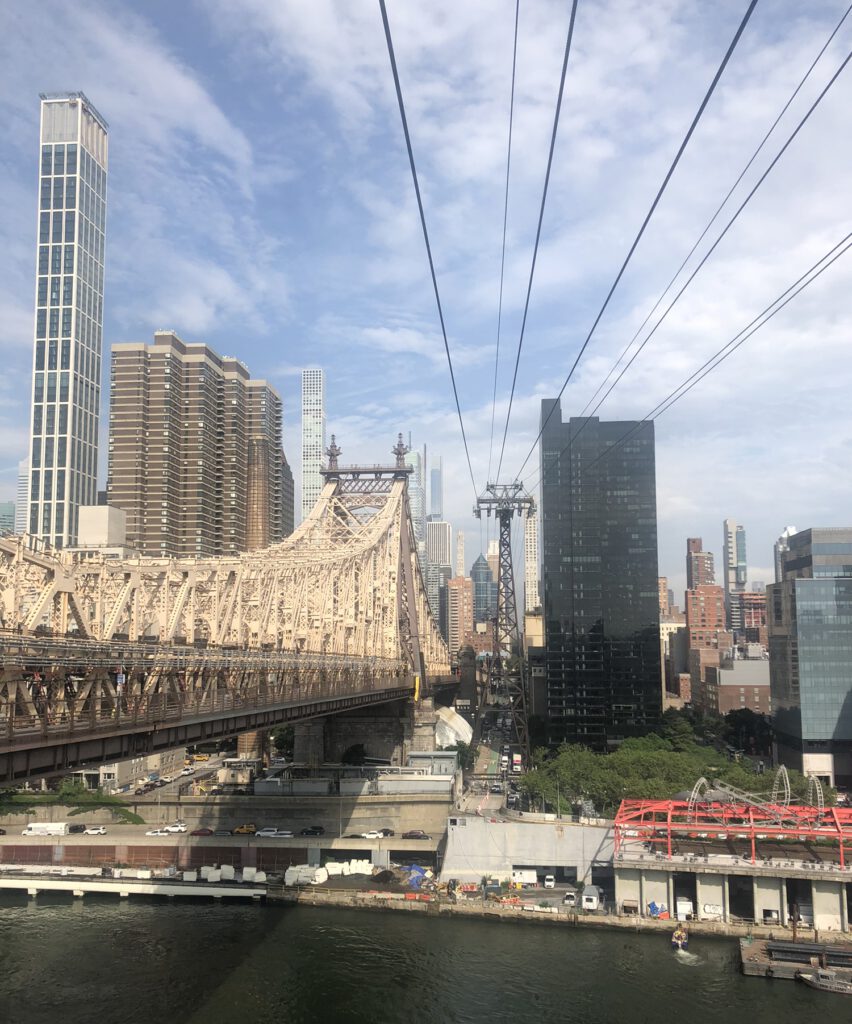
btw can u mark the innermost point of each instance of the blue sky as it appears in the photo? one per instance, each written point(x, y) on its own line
point(260, 201)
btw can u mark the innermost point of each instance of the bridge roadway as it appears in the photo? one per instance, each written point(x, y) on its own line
point(73, 702)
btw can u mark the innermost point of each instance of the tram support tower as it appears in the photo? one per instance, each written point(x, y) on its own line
point(508, 676)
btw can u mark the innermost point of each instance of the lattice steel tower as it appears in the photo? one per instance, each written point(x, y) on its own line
point(508, 670)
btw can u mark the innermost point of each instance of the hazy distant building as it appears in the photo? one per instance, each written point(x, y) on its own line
point(313, 437)
point(700, 571)
point(460, 553)
point(22, 502)
point(195, 456)
point(439, 562)
point(484, 591)
point(782, 545)
point(436, 490)
point(810, 652)
point(599, 579)
point(493, 558)
point(735, 568)
point(66, 385)
point(7, 517)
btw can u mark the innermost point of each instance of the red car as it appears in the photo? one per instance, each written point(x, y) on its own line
point(201, 832)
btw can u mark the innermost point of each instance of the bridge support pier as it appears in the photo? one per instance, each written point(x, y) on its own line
point(309, 742)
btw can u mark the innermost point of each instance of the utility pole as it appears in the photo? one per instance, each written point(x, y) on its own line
point(508, 667)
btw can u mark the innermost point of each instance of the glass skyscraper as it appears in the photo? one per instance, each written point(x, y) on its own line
point(313, 437)
point(599, 575)
point(68, 316)
point(810, 654)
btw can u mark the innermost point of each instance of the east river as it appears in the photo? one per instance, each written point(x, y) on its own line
point(96, 961)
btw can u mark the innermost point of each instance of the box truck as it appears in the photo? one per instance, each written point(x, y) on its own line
point(46, 828)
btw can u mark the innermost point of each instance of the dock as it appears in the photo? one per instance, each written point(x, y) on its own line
point(771, 958)
point(82, 882)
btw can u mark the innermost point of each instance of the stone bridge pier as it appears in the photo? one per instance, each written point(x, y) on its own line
point(390, 732)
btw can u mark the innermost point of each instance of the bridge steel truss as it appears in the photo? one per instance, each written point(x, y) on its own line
point(127, 656)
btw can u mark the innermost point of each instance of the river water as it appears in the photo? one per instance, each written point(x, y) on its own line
point(97, 961)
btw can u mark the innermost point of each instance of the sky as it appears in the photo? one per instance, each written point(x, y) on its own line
point(260, 201)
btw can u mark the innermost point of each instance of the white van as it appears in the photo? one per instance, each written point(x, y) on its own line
point(46, 828)
point(549, 882)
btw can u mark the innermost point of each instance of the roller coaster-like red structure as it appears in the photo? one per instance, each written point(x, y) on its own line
point(658, 822)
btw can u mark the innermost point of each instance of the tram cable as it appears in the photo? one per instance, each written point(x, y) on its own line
point(712, 248)
point(711, 89)
point(719, 209)
point(560, 94)
point(415, 179)
point(503, 247)
point(796, 288)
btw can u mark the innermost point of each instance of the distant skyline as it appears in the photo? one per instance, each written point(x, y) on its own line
point(260, 202)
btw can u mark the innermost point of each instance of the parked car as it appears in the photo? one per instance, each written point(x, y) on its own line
point(371, 835)
point(97, 830)
point(313, 830)
point(156, 832)
point(166, 779)
point(202, 832)
point(223, 832)
point(266, 833)
point(283, 833)
point(245, 830)
point(387, 832)
point(188, 770)
point(549, 882)
point(415, 833)
point(178, 826)
point(2, 831)
point(73, 830)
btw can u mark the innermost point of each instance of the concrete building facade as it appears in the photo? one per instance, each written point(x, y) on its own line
point(195, 457)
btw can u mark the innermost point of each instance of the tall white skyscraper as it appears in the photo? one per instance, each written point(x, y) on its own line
point(782, 546)
point(313, 437)
point(22, 499)
point(735, 568)
point(460, 569)
point(532, 599)
point(69, 312)
point(439, 558)
point(436, 489)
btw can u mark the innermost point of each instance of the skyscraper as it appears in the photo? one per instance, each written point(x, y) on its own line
point(439, 562)
point(459, 612)
point(436, 490)
point(599, 574)
point(736, 568)
point(195, 456)
point(782, 545)
point(484, 591)
point(22, 503)
point(313, 437)
point(460, 553)
point(700, 571)
point(493, 558)
point(66, 387)
point(7, 517)
point(810, 655)
point(532, 598)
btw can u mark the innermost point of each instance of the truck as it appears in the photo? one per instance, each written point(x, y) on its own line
point(524, 876)
point(46, 828)
point(592, 898)
point(504, 762)
point(516, 764)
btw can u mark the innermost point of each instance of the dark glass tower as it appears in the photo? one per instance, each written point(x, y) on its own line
point(599, 569)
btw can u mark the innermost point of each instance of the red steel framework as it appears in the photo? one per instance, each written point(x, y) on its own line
point(658, 822)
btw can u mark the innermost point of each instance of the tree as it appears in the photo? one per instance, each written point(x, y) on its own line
point(282, 739)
